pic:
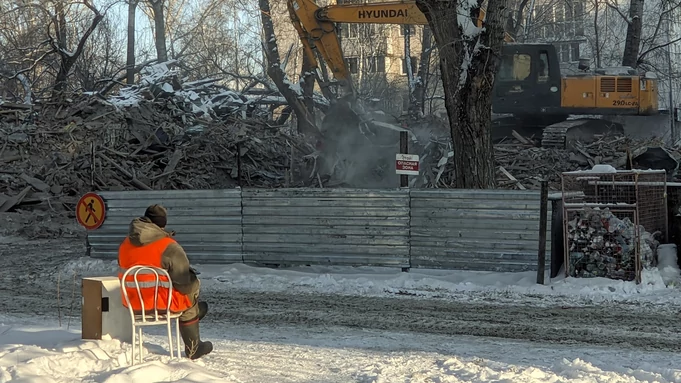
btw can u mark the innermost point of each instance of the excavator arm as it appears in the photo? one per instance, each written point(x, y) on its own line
point(317, 30)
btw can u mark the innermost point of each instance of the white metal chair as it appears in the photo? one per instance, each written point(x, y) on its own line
point(159, 317)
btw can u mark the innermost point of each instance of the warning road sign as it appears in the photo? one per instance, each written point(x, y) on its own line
point(407, 164)
point(90, 211)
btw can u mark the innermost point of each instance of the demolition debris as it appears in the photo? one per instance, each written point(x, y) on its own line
point(163, 133)
point(521, 164)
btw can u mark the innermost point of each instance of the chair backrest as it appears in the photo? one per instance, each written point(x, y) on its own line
point(152, 279)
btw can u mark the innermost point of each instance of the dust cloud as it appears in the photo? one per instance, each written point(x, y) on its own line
point(360, 154)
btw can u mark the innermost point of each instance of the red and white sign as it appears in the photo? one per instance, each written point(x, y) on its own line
point(407, 164)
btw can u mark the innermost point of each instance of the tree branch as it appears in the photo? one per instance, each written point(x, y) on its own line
point(642, 55)
point(626, 19)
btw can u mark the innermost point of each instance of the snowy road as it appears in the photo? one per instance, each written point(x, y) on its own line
point(612, 324)
point(328, 324)
point(537, 317)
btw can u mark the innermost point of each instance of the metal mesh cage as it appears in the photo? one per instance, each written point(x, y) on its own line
point(613, 221)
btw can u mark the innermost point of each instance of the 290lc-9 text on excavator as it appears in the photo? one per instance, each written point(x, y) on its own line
point(529, 84)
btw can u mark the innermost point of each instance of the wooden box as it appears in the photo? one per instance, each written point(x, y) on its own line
point(103, 314)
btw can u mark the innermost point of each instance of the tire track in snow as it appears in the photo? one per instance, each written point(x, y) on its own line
point(604, 325)
point(28, 275)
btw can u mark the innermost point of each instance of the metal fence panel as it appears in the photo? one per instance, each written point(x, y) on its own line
point(207, 222)
point(486, 230)
point(326, 226)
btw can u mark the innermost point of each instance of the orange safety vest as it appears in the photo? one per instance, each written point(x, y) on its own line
point(130, 255)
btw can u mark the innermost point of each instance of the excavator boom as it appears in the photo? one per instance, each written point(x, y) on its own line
point(317, 30)
point(376, 13)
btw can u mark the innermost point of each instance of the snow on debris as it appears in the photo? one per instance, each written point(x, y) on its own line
point(203, 98)
point(40, 352)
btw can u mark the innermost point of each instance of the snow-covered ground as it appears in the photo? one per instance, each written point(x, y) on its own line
point(448, 284)
point(35, 352)
point(341, 324)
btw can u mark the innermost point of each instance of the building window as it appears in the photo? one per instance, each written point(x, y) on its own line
point(375, 64)
point(353, 64)
point(574, 49)
point(414, 67)
point(353, 31)
point(349, 31)
point(412, 30)
point(562, 21)
point(568, 52)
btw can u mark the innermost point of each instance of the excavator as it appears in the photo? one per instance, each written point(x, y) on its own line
point(529, 85)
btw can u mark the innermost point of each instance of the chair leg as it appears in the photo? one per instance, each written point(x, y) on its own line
point(141, 345)
point(170, 339)
point(134, 343)
point(177, 334)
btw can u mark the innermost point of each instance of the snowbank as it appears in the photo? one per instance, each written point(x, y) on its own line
point(41, 354)
point(453, 284)
point(247, 354)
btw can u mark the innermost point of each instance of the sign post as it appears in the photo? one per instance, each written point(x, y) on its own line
point(90, 211)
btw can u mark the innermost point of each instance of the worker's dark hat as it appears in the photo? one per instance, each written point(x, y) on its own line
point(157, 214)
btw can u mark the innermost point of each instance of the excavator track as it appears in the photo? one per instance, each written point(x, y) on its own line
point(555, 136)
point(559, 135)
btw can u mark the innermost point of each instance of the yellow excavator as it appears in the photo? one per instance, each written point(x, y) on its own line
point(529, 84)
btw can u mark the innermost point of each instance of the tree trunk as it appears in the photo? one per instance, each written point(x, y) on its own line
point(518, 22)
point(130, 58)
point(67, 58)
point(159, 30)
point(469, 59)
point(305, 119)
point(421, 76)
point(413, 107)
point(307, 79)
point(633, 40)
point(597, 35)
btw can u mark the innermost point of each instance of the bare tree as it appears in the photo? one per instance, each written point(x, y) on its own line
point(275, 72)
point(469, 58)
point(421, 81)
point(58, 40)
point(130, 57)
point(102, 57)
point(634, 25)
point(158, 15)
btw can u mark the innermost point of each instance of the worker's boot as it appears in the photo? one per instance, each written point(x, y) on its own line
point(203, 309)
point(194, 348)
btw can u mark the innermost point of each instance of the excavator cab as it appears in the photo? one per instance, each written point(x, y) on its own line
point(528, 83)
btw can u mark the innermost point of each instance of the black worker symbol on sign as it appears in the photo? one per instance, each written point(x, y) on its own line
point(90, 211)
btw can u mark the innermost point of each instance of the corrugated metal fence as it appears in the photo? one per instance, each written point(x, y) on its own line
point(207, 222)
point(494, 230)
point(326, 226)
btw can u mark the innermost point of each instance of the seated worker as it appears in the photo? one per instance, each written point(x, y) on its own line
point(148, 244)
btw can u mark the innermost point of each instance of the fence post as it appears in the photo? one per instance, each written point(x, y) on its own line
point(543, 221)
point(404, 149)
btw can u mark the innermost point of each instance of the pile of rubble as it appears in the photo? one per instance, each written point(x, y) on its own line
point(159, 134)
point(522, 164)
point(163, 133)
